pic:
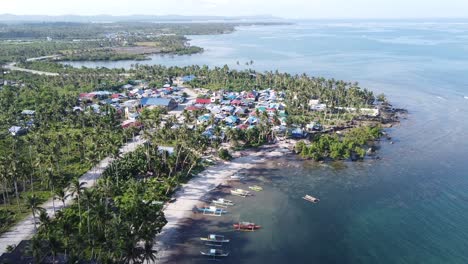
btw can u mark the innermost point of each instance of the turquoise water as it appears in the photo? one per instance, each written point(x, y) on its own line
point(409, 207)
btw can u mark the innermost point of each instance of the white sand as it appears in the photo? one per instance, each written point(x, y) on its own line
point(190, 194)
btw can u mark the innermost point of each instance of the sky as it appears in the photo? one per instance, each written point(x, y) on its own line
point(281, 8)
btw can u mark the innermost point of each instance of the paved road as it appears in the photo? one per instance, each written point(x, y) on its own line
point(12, 67)
point(25, 229)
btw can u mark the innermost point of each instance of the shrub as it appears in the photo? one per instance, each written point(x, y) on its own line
point(224, 154)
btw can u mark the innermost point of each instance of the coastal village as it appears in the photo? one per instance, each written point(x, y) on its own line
point(216, 112)
point(241, 110)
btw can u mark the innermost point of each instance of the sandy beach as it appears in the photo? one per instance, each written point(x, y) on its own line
point(196, 192)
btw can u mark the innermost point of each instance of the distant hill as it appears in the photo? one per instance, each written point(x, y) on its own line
point(135, 18)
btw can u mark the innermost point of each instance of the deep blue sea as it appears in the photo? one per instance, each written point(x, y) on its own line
point(409, 207)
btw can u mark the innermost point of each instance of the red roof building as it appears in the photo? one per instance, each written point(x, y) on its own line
point(202, 101)
point(192, 108)
point(236, 102)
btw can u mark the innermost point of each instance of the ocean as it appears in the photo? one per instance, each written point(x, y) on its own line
point(409, 207)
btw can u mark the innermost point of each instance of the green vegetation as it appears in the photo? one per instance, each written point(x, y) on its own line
point(95, 41)
point(224, 154)
point(117, 220)
point(350, 146)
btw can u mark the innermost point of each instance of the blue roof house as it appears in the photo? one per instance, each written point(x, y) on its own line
point(169, 104)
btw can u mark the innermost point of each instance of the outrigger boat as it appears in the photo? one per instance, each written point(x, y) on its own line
point(211, 210)
point(223, 202)
point(256, 188)
point(235, 178)
point(215, 238)
point(246, 226)
point(311, 199)
point(240, 192)
point(215, 253)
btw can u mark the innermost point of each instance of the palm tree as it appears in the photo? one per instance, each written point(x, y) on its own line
point(76, 188)
point(61, 195)
point(148, 254)
point(33, 203)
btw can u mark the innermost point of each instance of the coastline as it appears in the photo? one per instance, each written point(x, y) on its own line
point(194, 192)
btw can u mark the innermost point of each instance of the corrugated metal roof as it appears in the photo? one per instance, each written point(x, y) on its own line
point(155, 101)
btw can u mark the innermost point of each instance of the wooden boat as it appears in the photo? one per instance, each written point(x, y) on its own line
point(246, 226)
point(311, 199)
point(211, 210)
point(215, 238)
point(240, 192)
point(256, 188)
point(213, 252)
point(223, 202)
point(235, 178)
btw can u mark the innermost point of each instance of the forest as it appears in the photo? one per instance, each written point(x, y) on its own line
point(101, 41)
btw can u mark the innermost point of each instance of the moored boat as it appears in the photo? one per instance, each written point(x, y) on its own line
point(246, 226)
point(222, 202)
point(215, 238)
point(256, 188)
point(211, 210)
point(240, 192)
point(311, 199)
point(214, 253)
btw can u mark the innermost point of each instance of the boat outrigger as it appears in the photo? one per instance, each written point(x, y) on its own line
point(215, 253)
point(211, 210)
point(256, 188)
point(222, 202)
point(215, 238)
point(311, 199)
point(246, 226)
point(240, 192)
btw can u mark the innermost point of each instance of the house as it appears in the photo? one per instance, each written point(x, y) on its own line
point(169, 104)
point(231, 120)
point(314, 126)
point(252, 120)
point(202, 101)
point(188, 78)
point(236, 102)
point(228, 109)
point(17, 130)
point(87, 96)
point(28, 112)
point(204, 118)
point(315, 105)
point(131, 123)
point(192, 108)
point(298, 133)
point(127, 87)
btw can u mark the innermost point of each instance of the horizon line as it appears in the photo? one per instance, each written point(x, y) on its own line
point(237, 16)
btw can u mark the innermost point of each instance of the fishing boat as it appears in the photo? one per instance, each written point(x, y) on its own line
point(240, 192)
point(235, 178)
point(223, 202)
point(213, 252)
point(211, 210)
point(246, 226)
point(311, 199)
point(215, 238)
point(256, 188)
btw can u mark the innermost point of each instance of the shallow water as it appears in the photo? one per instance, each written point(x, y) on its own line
point(409, 207)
